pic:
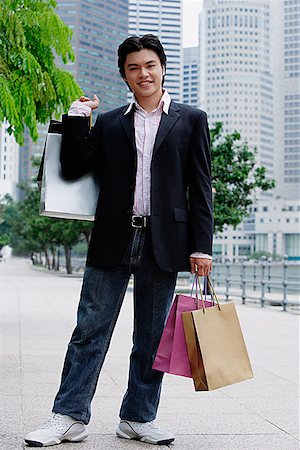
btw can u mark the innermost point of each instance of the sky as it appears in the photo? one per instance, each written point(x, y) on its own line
point(191, 9)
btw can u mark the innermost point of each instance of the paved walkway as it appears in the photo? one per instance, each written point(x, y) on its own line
point(37, 313)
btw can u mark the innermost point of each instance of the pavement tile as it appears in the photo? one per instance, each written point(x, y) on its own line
point(40, 363)
point(274, 404)
point(30, 389)
point(236, 442)
point(10, 441)
point(109, 390)
point(11, 414)
point(40, 377)
point(10, 386)
point(296, 436)
point(288, 422)
point(36, 411)
point(203, 405)
point(178, 391)
point(10, 348)
point(248, 389)
point(9, 364)
point(217, 423)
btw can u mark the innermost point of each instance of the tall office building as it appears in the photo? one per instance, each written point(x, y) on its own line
point(98, 28)
point(237, 83)
point(163, 19)
point(236, 89)
point(9, 162)
point(191, 71)
point(250, 82)
point(290, 174)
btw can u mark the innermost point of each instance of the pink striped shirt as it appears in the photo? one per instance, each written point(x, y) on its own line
point(145, 126)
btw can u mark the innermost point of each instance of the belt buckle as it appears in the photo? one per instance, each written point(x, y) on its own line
point(137, 226)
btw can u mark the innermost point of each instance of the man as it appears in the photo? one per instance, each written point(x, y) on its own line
point(153, 219)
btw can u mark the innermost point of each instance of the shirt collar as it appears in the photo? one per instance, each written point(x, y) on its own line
point(164, 103)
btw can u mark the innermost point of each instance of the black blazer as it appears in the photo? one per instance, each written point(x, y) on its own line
point(181, 194)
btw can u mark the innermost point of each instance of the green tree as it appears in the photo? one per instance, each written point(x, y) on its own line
point(26, 231)
point(7, 214)
point(29, 232)
point(67, 233)
point(235, 177)
point(32, 87)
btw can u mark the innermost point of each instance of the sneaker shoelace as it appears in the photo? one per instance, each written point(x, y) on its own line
point(145, 425)
point(56, 422)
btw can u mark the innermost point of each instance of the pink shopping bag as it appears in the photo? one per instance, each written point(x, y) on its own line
point(172, 356)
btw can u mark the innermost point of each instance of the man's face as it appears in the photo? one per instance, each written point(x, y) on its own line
point(144, 73)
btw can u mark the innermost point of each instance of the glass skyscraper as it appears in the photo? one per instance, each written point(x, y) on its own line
point(191, 71)
point(9, 160)
point(249, 78)
point(99, 26)
point(291, 83)
point(163, 18)
point(236, 72)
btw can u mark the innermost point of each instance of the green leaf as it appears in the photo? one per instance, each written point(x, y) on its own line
point(32, 88)
point(235, 177)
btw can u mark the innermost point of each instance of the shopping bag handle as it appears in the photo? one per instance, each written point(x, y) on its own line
point(196, 283)
point(213, 292)
point(207, 282)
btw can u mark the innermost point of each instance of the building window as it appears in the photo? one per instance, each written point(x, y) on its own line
point(292, 245)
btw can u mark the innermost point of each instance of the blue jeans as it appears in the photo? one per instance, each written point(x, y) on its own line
point(102, 294)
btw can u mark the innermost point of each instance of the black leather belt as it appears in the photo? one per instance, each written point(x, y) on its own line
point(140, 221)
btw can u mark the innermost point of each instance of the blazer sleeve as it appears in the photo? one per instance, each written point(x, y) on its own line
point(80, 147)
point(200, 188)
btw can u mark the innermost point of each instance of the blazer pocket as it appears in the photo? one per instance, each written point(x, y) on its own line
point(181, 215)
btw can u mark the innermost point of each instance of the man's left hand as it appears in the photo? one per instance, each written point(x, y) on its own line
point(201, 266)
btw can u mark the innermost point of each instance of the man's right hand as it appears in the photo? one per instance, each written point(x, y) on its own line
point(93, 104)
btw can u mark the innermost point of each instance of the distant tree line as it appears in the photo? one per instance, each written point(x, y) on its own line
point(30, 234)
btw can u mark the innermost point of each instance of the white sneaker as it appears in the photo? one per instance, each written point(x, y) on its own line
point(59, 428)
point(144, 432)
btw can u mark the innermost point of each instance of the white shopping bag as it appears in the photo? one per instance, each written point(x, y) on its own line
point(62, 198)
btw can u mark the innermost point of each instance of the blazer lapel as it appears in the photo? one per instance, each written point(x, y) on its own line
point(166, 124)
point(127, 121)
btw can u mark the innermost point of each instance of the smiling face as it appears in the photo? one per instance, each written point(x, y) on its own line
point(144, 74)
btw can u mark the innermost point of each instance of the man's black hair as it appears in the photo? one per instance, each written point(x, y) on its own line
point(135, 44)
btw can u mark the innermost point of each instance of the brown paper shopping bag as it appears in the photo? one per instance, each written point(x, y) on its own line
point(216, 348)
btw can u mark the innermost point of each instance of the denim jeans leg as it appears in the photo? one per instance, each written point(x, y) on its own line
point(101, 299)
point(153, 293)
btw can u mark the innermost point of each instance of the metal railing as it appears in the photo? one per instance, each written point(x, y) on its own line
point(265, 281)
